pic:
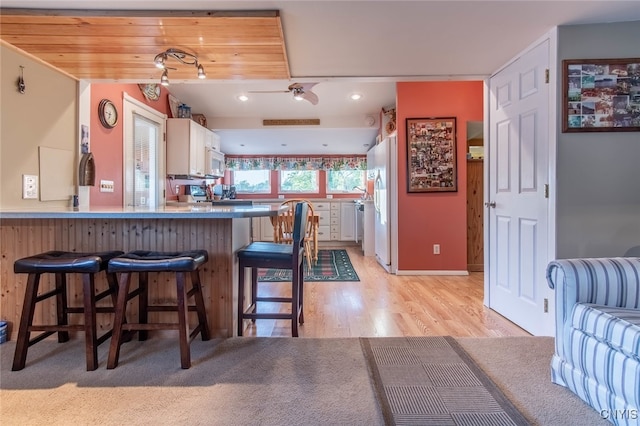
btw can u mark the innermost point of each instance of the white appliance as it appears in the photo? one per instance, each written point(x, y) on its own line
point(378, 160)
point(214, 163)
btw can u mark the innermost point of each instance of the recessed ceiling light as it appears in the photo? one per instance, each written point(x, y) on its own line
point(356, 96)
point(243, 98)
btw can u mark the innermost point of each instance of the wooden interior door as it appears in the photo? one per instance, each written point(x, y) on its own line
point(475, 215)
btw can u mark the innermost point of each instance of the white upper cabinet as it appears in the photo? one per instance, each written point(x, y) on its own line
point(186, 147)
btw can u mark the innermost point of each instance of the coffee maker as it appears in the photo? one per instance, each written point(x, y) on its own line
point(225, 192)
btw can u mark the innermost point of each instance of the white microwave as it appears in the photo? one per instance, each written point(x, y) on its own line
point(214, 163)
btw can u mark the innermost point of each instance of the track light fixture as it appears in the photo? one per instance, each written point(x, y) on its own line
point(181, 56)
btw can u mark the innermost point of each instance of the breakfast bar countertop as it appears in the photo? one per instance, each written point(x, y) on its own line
point(169, 212)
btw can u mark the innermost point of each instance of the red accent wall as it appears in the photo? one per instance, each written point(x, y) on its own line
point(106, 144)
point(425, 219)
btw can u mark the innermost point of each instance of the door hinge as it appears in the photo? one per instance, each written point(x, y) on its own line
point(546, 76)
point(546, 190)
point(546, 305)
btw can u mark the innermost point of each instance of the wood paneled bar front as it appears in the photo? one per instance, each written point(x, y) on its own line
point(221, 230)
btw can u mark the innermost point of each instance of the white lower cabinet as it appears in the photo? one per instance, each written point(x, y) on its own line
point(323, 211)
point(335, 221)
point(262, 228)
point(347, 221)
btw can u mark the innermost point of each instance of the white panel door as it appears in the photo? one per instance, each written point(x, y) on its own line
point(518, 172)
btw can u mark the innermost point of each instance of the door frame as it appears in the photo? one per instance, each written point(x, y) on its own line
point(130, 106)
point(555, 78)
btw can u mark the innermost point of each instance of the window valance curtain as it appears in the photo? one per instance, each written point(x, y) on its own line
point(358, 162)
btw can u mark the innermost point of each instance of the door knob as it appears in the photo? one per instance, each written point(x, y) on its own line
point(491, 204)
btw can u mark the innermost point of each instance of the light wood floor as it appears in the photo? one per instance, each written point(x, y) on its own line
point(386, 305)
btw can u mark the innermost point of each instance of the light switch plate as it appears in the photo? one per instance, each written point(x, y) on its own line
point(30, 187)
point(106, 186)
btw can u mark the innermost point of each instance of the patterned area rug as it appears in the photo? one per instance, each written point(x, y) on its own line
point(332, 265)
point(432, 381)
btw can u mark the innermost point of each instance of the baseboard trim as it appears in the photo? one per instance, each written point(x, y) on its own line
point(399, 272)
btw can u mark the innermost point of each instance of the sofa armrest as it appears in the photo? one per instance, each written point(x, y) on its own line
point(611, 281)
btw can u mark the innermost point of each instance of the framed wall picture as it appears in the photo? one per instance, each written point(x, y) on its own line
point(431, 155)
point(601, 95)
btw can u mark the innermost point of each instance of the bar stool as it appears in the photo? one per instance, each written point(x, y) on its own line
point(62, 263)
point(281, 256)
point(142, 262)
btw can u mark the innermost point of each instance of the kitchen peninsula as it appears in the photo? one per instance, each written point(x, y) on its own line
point(221, 230)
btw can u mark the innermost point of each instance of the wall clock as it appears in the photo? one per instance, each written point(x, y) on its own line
point(108, 113)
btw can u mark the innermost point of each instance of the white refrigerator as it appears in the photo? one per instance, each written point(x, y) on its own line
point(379, 157)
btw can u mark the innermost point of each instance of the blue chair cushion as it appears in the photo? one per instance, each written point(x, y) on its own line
point(64, 262)
point(155, 261)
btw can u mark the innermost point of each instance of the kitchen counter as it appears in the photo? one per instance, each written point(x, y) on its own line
point(221, 230)
point(170, 211)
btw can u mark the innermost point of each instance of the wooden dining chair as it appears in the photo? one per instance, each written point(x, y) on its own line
point(283, 228)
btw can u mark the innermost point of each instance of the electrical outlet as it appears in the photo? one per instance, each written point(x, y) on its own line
point(29, 186)
point(106, 186)
point(177, 189)
point(436, 249)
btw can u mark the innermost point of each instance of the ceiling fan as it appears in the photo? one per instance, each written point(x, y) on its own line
point(301, 91)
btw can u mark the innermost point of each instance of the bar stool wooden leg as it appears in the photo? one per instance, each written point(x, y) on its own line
point(61, 305)
point(90, 336)
point(254, 292)
point(183, 320)
point(301, 295)
point(240, 299)
point(143, 303)
point(118, 320)
point(26, 319)
point(200, 308)
point(295, 302)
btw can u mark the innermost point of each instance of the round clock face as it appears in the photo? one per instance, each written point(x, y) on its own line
point(108, 113)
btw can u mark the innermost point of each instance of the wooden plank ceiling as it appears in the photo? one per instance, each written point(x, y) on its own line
point(117, 46)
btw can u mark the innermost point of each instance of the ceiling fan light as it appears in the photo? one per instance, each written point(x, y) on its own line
point(298, 94)
point(201, 73)
point(164, 80)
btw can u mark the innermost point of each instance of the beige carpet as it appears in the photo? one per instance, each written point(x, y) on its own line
point(251, 381)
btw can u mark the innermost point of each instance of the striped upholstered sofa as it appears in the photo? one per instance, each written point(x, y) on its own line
point(597, 346)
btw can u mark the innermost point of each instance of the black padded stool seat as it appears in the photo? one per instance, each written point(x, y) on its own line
point(182, 263)
point(281, 256)
point(61, 263)
point(152, 261)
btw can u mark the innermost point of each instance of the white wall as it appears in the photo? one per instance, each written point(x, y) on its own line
point(598, 174)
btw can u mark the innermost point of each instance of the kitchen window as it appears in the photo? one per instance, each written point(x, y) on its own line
point(298, 181)
point(346, 181)
point(252, 181)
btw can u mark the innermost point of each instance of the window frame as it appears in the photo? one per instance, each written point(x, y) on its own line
point(240, 191)
point(363, 183)
point(288, 191)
